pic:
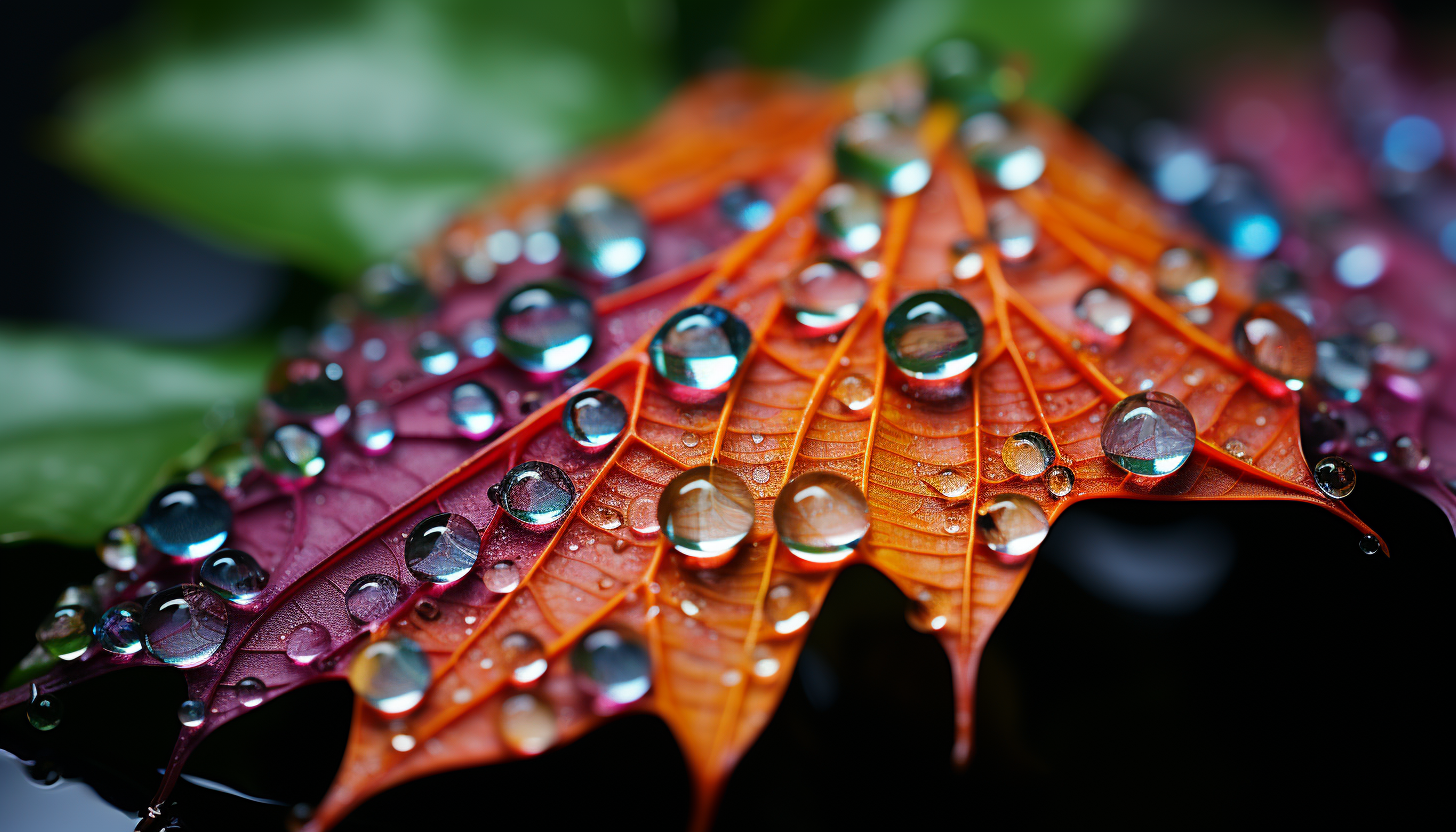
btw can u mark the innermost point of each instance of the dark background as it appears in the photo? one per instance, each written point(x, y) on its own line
point(1290, 678)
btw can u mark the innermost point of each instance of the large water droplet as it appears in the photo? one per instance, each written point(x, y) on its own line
point(1150, 434)
point(1012, 525)
point(293, 454)
point(706, 511)
point(544, 327)
point(1277, 342)
point(1028, 453)
point(475, 410)
point(613, 667)
point(372, 427)
point(391, 676)
point(307, 386)
point(1343, 366)
point(933, 336)
point(856, 392)
point(307, 642)
point(1003, 155)
point(234, 575)
point(524, 657)
point(825, 296)
point(44, 712)
point(372, 598)
point(119, 629)
point(66, 632)
point(187, 521)
point(877, 151)
point(502, 576)
point(250, 692)
point(191, 713)
point(527, 724)
point(442, 548)
point(786, 606)
point(742, 206)
point(1013, 230)
point(594, 418)
point(851, 218)
point(185, 625)
point(821, 516)
point(1335, 476)
point(435, 353)
point(1060, 481)
point(699, 350)
point(603, 234)
point(118, 548)
point(538, 494)
point(1106, 311)
point(1186, 275)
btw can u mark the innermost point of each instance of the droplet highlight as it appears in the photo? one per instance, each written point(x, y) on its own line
point(933, 336)
point(118, 548)
point(1276, 342)
point(1186, 275)
point(1105, 311)
point(524, 657)
point(1060, 481)
point(371, 598)
point(372, 427)
point(851, 218)
point(475, 410)
point(119, 629)
point(527, 724)
point(603, 234)
point(878, 152)
point(307, 386)
point(434, 353)
point(786, 606)
point(191, 713)
point(293, 454)
point(307, 642)
point(1335, 476)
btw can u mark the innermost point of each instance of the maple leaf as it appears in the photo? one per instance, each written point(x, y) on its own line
point(722, 641)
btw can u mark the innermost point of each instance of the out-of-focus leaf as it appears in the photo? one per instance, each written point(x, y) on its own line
point(92, 425)
point(338, 133)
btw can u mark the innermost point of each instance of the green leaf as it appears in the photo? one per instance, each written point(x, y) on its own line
point(92, 426)
point(336, 133)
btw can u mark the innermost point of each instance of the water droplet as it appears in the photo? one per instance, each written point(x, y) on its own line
point(851, 217)
point(1343, 366)
point(1335, 476)
point(538, 494)
point(527, 724)
point(442, 548)
point(786, 607)
point(118, 548)
point(756, 438)
point(44, 712)
point(391, 676)
point(1028, 453)
point(66, 632)
point(1060, 480)
point(1003, 155)
point(742, 206)
point(877, 151)
point(373, 349)
point(856, 392)
point(475, 410)
point(227, 465)
point(544, 327)
point(1150, 434)
point(1236, 448)
point(250, 692)
point(642, 516)
point(502, 576)
point(524, 656)
point(1106, 311)
point(969, 75)
point(1277, 342)
point(1409, 454)
point(761, 474)
point(307, 642)
point(372, 427)
point(1370, 544)
point(187, 521)
point(949, 482)
point(435, 353)
point(966, 260)
point(402, 742)
point(234, 575)
point(293, 454)
point(1013, 230)
point(933, 336)
point(1371, 442)
point(821, 516)
point(191, 713)
point(185, 625)
point(706, 511)
point(765, 664)
point(477, 338)
point(371, 598)
point(613, 667)
point(119, 629)
point(604, 517)
point(594, 418)
point(427, 610)
point(394, 289)
point(307, 386)
point(824, 296)
point(1186, 275)
point(603, 234)
point(698, 351)
point(1012, 525)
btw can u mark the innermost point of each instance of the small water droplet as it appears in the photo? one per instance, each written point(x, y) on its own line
point(527, 724)
point(1371, 442)
point(1409, 454)
point(536, 494)
point(402, 742)
point(613, 667)
point(824, 296)
point(374, 349)
point(502, 576)
point(875, 150)
point(250, 692)
point(1186, 275)
point(234, 575)
point(1060, 480)
point(851, 218)
point(1028, 453)
point(390, 675)
point(1150, 434)
point(293, 455)
point(765, 664)
point(970, 75)
point(434, 352)
point(118, 548)
point(1236, 448)
point(44, 712)
point(689, 439)
point(966, 260)
point(187, 521)
point(185, 625)
point(475, 410)
point(1370, 544)
point(706, 511)
point(544, 327)
point(821, 516)
point(524, 656)
point(698, 351)
point(642, 516)
point(394, 289)
point(594, 418)
point(372, 427)
point(1343, 366)
point(856, 392)
point(933, 336)
point(1013, 230)
point(1277, 342)
point(119, 629)
point(949, 483)
point(191, 712)
point(371, 598)
point(604, 517)
point(1012, 525)
point(442, 548)
point(427, 610)
point(227, 465)
point(741, 205)
point(603, 234)
point(307, 386)
point(477, 338)
point(786, 607)
point(307, 642)
point(1335, 476)
point(1106, 311)
point(761, 474)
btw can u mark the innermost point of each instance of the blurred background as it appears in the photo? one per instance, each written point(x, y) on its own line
point(193, 180)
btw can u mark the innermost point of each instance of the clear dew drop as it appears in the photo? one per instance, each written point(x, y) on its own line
point(933, 336)
point(1060, 481)
point(537, 494)
point(527, 724)
point(544, 327)
point(118, 548)
point(821, 516)
point(1276, 342)
point(1013, 230)
point(187, 521)
point(307, 642)
point(191, 713)
point(477, 338)
point(67, 631)
point(966, 260)
point(119, 629)
point(1343, 366)
point(434, 353)
point(824, 296)
point(371, 598)
point(442, 548)
point(374, 349)
point(502, 576)
point(949, 483)
point(1409, 454)
point(372, 427)
point(603, 234)
point(1186, 275)
point(851, 218)
point(475, 410)
point(250, 692)
point(1106, 311)
point(855, 392)
point(765, 663)
point(875, 150)
point(642, 516)
point(185, 625)
point(1028, 453)
point(1012, 525)
point(307, 386)
point(698, 351)
point(293, 454)
point(234, 575)
point(706, 511)
point(761, 474)
point(394, 289)
point(604, 517)
point(44, 712)
point(391, 675)
point(402, 742)
point(613, 667)
point(1335, 476)
point(786, 606)
point(743, 207)
point(523, 655)
point(1150, 434)
point(1370, 544)
point(1002, 154)
point(227, 465)
point(594, 418)
point(970, 75)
